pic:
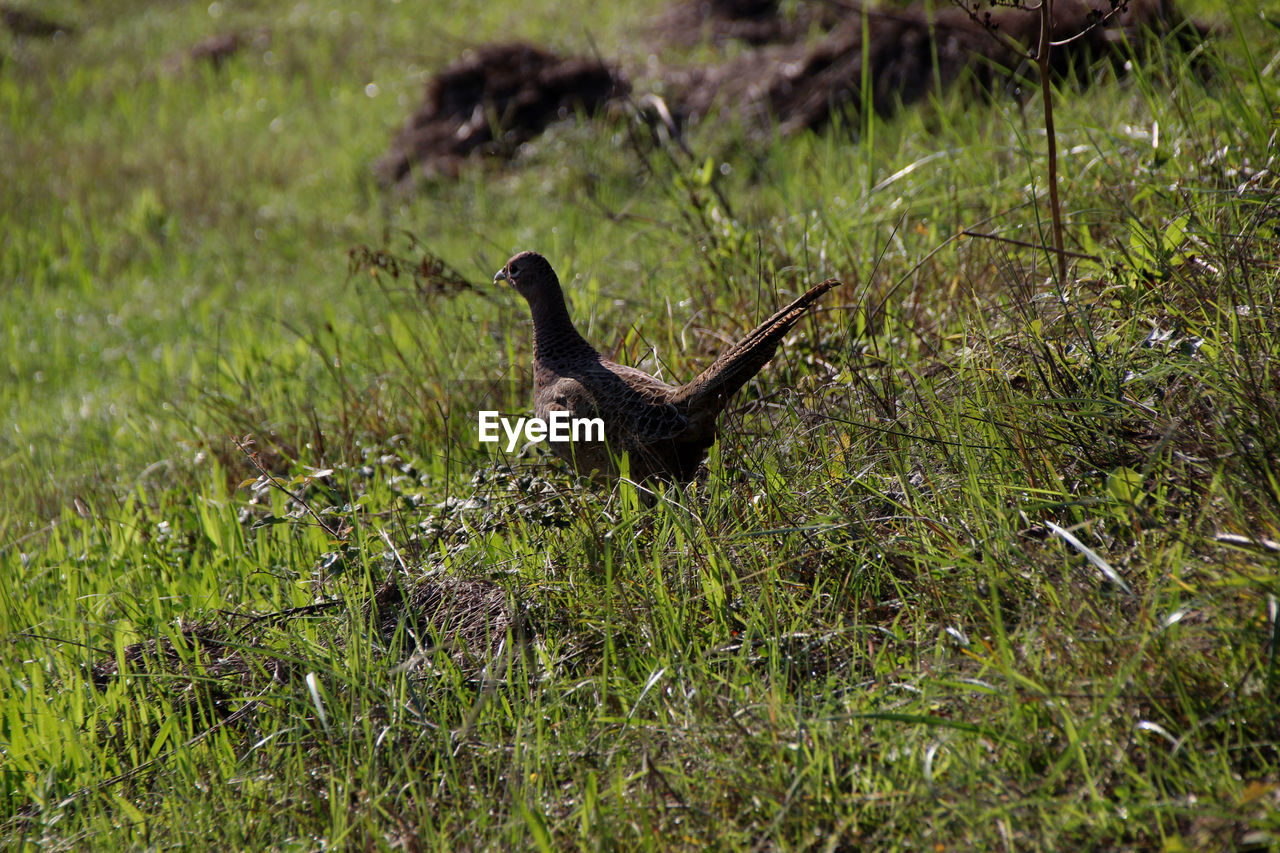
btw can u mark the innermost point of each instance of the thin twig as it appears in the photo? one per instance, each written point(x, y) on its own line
point(1080, 255)
point(1101, 21)
point(275, 481)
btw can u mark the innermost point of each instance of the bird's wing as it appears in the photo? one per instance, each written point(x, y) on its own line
point(642, 408)
point(633, 405)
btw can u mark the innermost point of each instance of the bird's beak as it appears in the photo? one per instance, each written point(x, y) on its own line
point(500, 275)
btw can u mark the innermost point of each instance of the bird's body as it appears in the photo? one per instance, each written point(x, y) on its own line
point(664, 429)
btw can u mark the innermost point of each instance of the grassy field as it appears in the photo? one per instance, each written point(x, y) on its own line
point(984, 560)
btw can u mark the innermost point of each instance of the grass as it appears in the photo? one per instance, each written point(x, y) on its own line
point(983, 560)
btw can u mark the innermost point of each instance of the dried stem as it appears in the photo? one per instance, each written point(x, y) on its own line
point(1043, 52)
point(275, 481)
point(1042, 56)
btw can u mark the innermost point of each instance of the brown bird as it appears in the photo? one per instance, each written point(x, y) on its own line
point(664, 429)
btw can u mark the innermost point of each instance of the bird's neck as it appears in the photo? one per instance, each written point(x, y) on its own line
point(554, 335)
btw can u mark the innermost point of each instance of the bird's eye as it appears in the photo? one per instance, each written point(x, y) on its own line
point(513, 269)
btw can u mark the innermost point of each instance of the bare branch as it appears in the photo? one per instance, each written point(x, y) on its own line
point(996, 237)
point(993, 28)
point(275, 481)
point(1117, 6)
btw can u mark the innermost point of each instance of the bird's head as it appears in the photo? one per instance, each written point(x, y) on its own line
point(530, 274)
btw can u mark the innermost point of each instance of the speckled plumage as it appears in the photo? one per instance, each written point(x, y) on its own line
point(665, 429)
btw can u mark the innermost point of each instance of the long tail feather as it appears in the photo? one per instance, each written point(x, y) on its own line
point(744, 359)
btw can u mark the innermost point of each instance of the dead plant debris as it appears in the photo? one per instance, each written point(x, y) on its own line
point(208, 665)
point(217, 665)
point(469, 619)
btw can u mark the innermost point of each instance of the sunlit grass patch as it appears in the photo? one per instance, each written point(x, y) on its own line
point(984, 557)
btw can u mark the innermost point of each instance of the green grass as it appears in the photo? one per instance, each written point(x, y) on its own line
point(864, 629)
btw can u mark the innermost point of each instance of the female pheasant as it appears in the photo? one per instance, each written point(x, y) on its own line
point(664, 429)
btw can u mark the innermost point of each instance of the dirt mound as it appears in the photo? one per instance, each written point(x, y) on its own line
point(217, 666)
point(799, 86)
point(499, 96)
point(209, 666)
point(27, 24)
point(752, 21)
point(467, 618)
point(216, 49)
point(492, 100)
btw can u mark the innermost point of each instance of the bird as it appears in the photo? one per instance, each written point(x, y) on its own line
point(664, 430)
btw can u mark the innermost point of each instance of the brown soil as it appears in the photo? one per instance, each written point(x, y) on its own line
point(22, 22)
point(752, 21)
point(800, 86)
point(468, 619)
point(214, 668)
point(492, 100)
point(216, 49)
point(499, 96)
